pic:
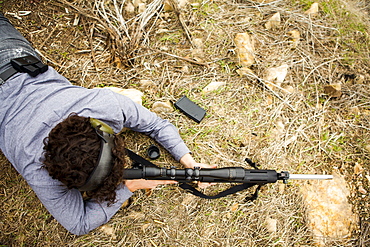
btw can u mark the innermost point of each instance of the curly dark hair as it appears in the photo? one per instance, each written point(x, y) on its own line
point(71, 152)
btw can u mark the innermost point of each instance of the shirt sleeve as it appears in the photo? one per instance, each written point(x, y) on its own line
point(140, 119)
point(78, 216)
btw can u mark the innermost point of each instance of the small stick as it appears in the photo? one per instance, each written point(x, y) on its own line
point(176, 9)
point(183, 58)
point(91, 43)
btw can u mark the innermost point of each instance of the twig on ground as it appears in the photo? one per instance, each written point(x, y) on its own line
point(183, 58)
point(180, 16)
point(90, 36)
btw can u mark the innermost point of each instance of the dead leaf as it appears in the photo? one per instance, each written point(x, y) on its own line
point(198, 43)
point(295, 36)
point(141, 8)
point(152, 242)
point(148, 192)
point(118, 63)
point(144, 84)
point(145, 226)
point(136, 215)
point(108, 230)
point(269, 100)
point(362, 190)
point(234, 207)
point(333, 90)
point(130, 8)
point(213, 86)
point(357, 169)
point(244, 71)
point(159, 222)
point(188, 198)
point(313, 10)
point(288, 89)
point(271, 225)
point(281, 188)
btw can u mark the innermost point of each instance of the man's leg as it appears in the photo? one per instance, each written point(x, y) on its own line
point(12, 44)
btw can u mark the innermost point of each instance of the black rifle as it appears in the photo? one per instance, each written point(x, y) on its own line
point(144, 169)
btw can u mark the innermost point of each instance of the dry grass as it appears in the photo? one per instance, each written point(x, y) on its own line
point(303, 131)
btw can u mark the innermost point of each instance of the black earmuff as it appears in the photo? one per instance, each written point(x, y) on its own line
point(104, 164)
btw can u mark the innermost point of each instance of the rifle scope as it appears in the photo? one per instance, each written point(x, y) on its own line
point(218, 175)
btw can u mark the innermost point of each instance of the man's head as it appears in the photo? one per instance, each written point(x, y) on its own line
point(72, 151)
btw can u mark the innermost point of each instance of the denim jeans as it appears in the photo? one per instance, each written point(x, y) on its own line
point(12, 44)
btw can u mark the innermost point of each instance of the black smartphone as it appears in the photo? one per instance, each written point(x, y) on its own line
point(190, 109)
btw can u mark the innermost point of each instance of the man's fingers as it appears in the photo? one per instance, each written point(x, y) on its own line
point(205, 185)
point(202, 165)
point(168, 182)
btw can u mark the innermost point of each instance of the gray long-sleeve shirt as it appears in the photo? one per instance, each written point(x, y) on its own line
point(31, 107)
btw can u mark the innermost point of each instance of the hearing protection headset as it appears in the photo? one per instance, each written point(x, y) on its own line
point(104, 164)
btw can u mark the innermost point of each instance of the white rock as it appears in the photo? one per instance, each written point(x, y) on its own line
point(183, 3)
point(328, 211)
point(274, 21)
point(108, 230)
point(159, 107)
point(130, 8)
point(133, 94)
point(288, 89)
point(213, 86)
point(275, 75)
point(136, 3)
point(271, 225)
point(245, 49)
point(146, 83)
point(198, 42)
point(141, 8)
point(185, 69)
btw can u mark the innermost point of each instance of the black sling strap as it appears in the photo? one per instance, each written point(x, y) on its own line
point(187, 187)
point(140, 161)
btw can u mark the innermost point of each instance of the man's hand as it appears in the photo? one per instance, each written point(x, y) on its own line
point(138, 184)
point(188, 161)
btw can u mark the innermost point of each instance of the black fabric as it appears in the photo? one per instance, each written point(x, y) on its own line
point(8, 73)
point(224, 193)
point(138, 160)
point(3, 18)
point(255, 195)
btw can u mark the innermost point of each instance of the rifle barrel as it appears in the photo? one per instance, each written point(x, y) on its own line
point(310, 176)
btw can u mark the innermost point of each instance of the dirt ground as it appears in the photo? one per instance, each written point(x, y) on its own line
point(296, 127)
